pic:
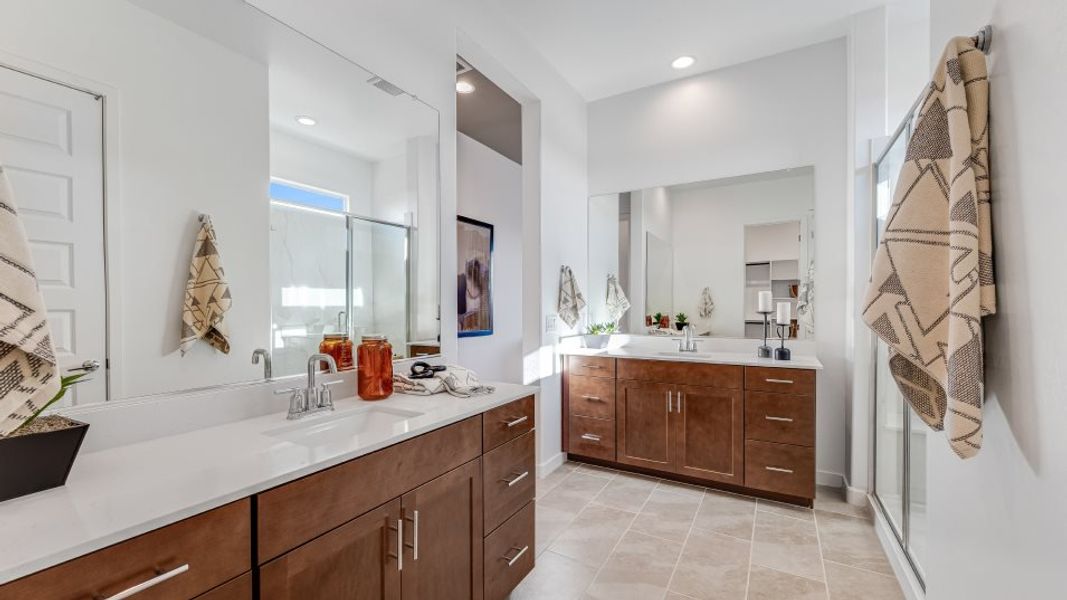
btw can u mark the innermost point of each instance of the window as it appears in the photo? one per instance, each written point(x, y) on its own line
point(306, 196)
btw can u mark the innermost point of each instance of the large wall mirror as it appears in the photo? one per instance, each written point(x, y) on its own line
point(125, 123)
point(700, 254)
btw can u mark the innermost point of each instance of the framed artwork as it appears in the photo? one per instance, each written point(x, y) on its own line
point(474, 252)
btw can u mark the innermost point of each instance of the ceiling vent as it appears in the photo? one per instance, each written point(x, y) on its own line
point(385, 86)
point(462, 66)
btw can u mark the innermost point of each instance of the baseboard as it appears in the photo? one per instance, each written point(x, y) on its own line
point(909, 583)
point(550, 465)
point(829, 479)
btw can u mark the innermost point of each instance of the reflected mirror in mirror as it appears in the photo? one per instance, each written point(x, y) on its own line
point(700, 254)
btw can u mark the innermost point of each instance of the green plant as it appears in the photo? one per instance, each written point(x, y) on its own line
point(65, 383)
point(602, 328)
point(656, 318)
point(681, 318)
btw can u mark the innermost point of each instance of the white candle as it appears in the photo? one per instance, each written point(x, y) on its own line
point(765, 302)
point(784, 317)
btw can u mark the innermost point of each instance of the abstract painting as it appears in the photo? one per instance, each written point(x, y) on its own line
point(474, 245)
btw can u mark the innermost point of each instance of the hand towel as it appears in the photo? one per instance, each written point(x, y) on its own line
point(806, 304)
point(617, 303)
point(571, 301)
point(706, 305)
point(207, 295)
point(932, 278)
point(29, 376)
point(454, 380)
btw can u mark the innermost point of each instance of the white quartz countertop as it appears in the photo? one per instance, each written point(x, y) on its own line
point(118, 493)
point(747, 359)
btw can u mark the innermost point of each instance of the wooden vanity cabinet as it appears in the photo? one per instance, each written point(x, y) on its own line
point(709, 439)
point(644, 432)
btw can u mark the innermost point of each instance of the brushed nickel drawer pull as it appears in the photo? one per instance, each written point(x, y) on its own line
point(592, 398)
point(786, 381)
point(590, 437)
point(782, 419)
point(591, 366)
point(670, 400)
point(515, 559)
point(515, 422)
point(399, 556)
point(158, 579)
point(517, 478)
point(778, 469)
point(414, 545)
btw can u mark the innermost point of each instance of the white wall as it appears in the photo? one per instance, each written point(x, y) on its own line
point(489, 189)
point(603, 253)
point(997, 524)
point(304, 161)
point(784, 111)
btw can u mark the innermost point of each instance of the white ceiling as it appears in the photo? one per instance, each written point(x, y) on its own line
point(607, 47)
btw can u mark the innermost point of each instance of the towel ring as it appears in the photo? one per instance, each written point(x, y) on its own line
point(984, 39)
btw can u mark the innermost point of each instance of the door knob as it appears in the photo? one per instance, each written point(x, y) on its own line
point(88, 366)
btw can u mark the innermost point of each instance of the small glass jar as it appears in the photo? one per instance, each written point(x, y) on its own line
point(339, 347)
point(374, 366)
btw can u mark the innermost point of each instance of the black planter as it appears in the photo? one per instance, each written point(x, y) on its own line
point(38, 461)
point(680, 326)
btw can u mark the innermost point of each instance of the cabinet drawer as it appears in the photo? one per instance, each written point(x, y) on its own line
point(780, 468)
point(728, 377)
point(780, 418)
point(208, 550)
point(782, 381)
point(509, 554)
point(591, 366)
point(236, 589)
point(296, 512)
point(509, 479)
point(507, 422)
point(591, 396)
point(590, 437)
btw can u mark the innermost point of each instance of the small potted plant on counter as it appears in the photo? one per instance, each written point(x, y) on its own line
point(598, 335)
point(680, 321)
point(39, 454)
point(657, 320)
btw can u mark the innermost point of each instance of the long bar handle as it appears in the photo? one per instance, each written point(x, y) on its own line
point(415, 534)
point(670, 400)
point(592, 398)
point(399, 556)
point(590, 437)
point(678, 405)
point(778, 469)
point(515, 559)
point(518, 421)
point(517, 477)
point(782, 419)
point(786, 381)
point(592, 367)
point(158, 579)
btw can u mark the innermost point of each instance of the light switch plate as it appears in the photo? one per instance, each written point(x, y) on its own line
point(551, 323)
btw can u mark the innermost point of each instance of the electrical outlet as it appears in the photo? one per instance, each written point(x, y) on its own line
point(551, 323)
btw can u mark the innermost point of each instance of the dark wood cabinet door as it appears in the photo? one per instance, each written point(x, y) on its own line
point(443, 537)
point(708, 434)
point(358, 560)
point(643, 421)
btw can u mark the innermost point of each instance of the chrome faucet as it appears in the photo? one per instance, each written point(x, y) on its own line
point(313, 398)
point(267, 370)
point(689, 342)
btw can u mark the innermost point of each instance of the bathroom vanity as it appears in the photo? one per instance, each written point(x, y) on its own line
point(717, 418)
point(432, 498)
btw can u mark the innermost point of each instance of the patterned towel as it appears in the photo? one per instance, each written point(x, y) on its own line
point(617, 304)
point(706, 305)
point(806, 303)
point(29, 378)
point(571, 301)
point(932, 278)
point(453, 380)
point(207, 295)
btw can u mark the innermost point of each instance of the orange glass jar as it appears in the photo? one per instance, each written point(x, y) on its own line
point(374, 368)
point(339, 347)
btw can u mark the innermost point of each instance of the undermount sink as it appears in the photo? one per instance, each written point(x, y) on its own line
point(345, 426)
point(679, 353)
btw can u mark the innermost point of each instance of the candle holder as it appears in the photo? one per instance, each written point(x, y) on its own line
point(783, 353)
point(764, 351)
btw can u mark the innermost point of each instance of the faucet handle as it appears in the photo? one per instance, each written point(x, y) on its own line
point(291, 390)
point(325, 395)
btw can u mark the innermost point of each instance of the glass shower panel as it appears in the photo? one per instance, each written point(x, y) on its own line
point(918, 434)
point(380, 278)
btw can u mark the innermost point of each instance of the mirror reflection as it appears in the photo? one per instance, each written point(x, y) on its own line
point(700, 254)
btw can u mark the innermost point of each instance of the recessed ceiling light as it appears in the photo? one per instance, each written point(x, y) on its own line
point(464, 87)
point(306, 120)
point(683, 62)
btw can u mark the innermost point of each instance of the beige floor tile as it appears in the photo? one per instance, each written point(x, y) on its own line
point(678, 487)
point(667, 515)
point(728, 514)
point(768, 584)
point(627, 492)
point(851, 541)
point(549, 522)
point(787, 544)
point(549, 482)
point(674, 596)
point(595, 470)
point(712, 567)
point(639, 569)
point(592, 535)
point(554, 577)
point(847, 583)
point(831, 499)
point(574, 492)
point(787, 510)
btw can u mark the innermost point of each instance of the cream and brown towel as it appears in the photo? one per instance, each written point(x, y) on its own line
point(454, 380)
point(29, 378)
point(616, 302)
point(570, 302)
point(932, 278)
point(207, 295)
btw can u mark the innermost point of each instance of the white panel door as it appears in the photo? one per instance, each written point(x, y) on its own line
point(51, 147)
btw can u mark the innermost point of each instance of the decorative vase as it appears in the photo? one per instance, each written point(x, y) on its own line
point(33, 462)
point(648, 320)
point(665, 322)
point(596, 342)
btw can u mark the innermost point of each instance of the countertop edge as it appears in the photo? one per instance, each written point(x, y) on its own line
point(806, 362)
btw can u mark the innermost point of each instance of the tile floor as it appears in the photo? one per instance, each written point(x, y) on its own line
point(604, 534)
